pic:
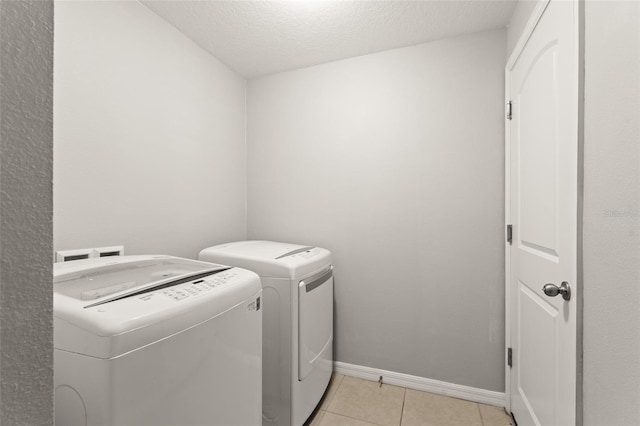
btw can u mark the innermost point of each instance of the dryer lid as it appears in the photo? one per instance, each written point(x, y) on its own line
point(269, 258)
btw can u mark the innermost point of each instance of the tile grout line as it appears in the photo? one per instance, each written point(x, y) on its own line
point(404, 397)
point(480, 413)
point(355, 418)
point(334, 393)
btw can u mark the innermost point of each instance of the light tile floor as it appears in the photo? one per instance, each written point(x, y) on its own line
point(356, 402)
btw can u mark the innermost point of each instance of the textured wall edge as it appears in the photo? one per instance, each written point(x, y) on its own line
point(26, 153)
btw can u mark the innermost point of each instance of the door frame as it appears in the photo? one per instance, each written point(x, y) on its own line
point(534, 18)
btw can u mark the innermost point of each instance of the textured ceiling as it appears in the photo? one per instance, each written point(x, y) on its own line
point(255, 38)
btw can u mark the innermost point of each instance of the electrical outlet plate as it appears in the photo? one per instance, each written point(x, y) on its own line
point(78, 254)
point(108, 251)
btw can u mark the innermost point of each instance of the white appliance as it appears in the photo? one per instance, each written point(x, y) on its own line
point(156, 340)
point(297, 291)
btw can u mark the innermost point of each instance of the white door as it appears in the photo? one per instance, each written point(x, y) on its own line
point(543, 139)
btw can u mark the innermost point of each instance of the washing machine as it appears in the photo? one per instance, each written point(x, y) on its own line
point(156, 340)
point(297, 289)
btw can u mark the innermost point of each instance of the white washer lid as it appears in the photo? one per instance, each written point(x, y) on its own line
point(269, 258)
point(109, 306)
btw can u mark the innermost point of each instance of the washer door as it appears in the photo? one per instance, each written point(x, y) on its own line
point(315, 321)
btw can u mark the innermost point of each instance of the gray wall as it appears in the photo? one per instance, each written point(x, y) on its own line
point(26, 327)
point(518, 21)
point(612, 214)
point(149, 135)
point(394, 161)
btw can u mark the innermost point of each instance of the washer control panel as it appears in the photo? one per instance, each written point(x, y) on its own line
point(193, 288)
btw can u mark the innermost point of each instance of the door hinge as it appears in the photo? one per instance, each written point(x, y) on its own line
point(509, 110)
point(509, 357)
point(509, 233)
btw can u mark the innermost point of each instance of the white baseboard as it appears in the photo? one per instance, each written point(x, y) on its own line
point(422, 384)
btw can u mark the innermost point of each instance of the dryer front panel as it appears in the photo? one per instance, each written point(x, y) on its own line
point(315, 322)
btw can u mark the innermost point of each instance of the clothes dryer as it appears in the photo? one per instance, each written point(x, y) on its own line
point(297, 283)
point(156, 340)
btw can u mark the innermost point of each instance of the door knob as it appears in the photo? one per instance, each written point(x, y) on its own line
point(553, 290)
